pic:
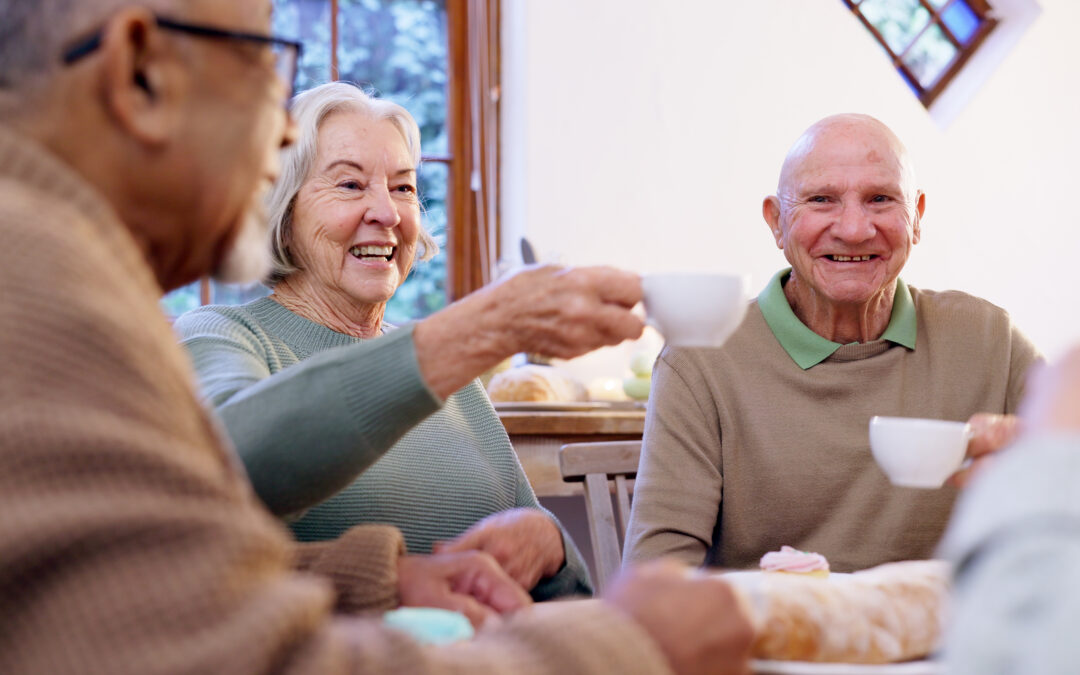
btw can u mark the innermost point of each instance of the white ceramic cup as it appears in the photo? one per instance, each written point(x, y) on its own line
point(917, 452)
point(695, 310)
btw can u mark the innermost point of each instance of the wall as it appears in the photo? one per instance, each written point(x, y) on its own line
point(646, 134)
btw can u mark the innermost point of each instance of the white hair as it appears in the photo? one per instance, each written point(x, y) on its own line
point(309, 109)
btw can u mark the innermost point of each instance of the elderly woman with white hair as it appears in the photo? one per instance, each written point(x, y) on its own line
point(345, 219)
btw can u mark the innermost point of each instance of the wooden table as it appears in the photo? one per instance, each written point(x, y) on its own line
point(538, 435)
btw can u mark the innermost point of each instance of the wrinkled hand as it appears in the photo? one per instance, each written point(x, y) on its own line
point(991, 433)
point(567, 312)
point(525, 542)
point(470, 582)
point(698, 623)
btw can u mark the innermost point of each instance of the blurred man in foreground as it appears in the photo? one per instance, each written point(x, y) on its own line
point(134, 141)
point(1015, 538)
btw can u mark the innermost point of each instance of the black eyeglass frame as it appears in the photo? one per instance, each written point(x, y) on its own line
point(90, 44)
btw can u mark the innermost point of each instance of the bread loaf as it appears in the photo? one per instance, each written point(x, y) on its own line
point(535, 383)
point(893, 612)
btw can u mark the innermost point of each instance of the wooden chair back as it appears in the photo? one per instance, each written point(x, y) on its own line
point(597, 465)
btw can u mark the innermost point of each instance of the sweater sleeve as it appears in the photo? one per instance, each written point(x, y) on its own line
point(573, 577)
point(560, 638)
point(361, 564)
point(678, 489)
point(1023, 354)
point(1015, 538)
point(326, 405)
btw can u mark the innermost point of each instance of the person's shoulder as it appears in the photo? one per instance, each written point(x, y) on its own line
point(954, 304)
point(219, 319)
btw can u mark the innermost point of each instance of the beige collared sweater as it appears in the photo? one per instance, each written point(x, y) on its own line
point(745, 451)
point(130, 540)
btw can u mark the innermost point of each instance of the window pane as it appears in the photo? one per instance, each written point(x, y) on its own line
point(425, 290)
point(961, 20)
point(930, 56)
point(309, 22)
point(181, 300)
point(898, 21)
point(236, 294)
point(398, 47)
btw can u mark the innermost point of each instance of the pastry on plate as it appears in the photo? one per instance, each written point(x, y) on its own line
point(535, 383)
point(893, 612)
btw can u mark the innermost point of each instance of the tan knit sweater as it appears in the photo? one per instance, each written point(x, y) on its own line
point(745, 451)
point(130, 542)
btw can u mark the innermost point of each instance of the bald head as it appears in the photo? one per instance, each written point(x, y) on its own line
point(818, 143)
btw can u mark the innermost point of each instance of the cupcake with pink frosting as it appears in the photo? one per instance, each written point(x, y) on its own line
point(794, 561)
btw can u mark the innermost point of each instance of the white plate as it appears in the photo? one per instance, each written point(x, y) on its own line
point(567, 406)
point(806, 668)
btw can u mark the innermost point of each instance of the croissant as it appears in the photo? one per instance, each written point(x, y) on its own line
point(893, 612)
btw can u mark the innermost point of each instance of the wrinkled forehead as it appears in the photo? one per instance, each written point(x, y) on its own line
point(847, 153)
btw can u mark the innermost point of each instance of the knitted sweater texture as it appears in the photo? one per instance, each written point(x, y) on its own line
point(745, 451)
point(450, 471)
point(130, 540)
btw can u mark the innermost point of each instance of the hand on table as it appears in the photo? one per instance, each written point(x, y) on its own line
point(469, 582)
point(698, 623)
point(525, 542)
point(991, 433)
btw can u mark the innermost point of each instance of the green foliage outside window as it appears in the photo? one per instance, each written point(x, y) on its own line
point(395, 49)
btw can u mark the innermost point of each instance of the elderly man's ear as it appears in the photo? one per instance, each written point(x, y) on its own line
point(916, 227)
point(770, 209)
point(139, 80)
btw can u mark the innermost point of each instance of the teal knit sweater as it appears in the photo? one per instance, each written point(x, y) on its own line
point(307, 409)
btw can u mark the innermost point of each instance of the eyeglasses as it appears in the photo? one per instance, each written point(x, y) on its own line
point(286, 52)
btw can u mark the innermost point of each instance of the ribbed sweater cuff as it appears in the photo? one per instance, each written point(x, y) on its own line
point(362, 565)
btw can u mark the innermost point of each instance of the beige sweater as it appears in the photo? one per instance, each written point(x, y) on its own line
point(744, 451)
point(130, 541)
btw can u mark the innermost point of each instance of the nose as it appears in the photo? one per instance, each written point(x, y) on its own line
point(854, 224)
point(381, 209)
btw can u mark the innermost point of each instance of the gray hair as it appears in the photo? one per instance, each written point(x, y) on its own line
point(309, 109)
point(34, 33)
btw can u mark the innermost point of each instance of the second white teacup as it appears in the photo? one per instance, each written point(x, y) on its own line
point(918, 452)
point(695, 310)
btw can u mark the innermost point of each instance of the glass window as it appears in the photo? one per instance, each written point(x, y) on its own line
point(927, 40)
point(397, 49)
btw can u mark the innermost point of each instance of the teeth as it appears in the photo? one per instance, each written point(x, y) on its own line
point(848, 258)
point(365, 251)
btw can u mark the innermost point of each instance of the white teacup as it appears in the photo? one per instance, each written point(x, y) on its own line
point(695, 310)
point(917, 452)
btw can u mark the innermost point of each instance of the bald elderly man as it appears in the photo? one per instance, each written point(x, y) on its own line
point(764, 442)
point(134, 140)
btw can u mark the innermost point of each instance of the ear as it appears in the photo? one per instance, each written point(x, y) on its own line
point(770, 209)
point(920, 207)
point(138, 77)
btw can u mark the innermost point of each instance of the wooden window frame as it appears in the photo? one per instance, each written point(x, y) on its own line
point(472, 159)
point(987, 22)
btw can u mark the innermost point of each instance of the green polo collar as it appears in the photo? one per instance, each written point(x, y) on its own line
point(806, 347)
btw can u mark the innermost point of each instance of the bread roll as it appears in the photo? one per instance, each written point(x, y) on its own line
point(893, 612)
point(535, 383)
